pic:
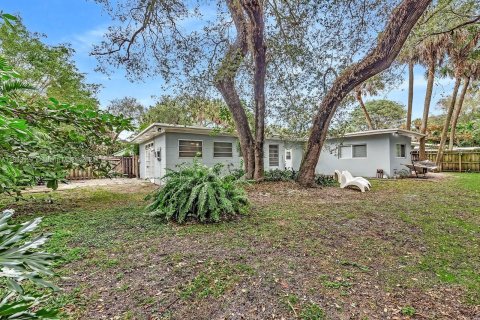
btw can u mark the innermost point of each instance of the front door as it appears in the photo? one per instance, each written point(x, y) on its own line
point(149, 161)
point(288, 159)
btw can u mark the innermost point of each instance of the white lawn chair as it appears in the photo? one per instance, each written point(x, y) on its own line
point(349, 176)
point(359, 182)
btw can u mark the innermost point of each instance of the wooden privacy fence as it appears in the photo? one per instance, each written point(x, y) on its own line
point(127, 167)
point(457, 160)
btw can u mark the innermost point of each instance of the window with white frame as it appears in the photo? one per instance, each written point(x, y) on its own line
point(352, 151)
point(359, 151)
point(190, 148)
point(222, 149)
point(344, 152)
point(400, 150)
point(149, 146)
point(273, 155)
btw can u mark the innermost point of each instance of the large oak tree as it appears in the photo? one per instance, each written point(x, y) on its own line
point(227, 51)
point(389, 44)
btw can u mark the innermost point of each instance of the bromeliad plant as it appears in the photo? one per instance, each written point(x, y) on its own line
point(200, 193)
point(21, 262)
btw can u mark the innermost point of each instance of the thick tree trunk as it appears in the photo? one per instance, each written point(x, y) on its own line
point(225, 83)
point(402, 20)
point(358, 95)
point(426, 108)
point(448, 118)
point(255, 13)
point(458, 109)
point(410, 95)
point(229, 93)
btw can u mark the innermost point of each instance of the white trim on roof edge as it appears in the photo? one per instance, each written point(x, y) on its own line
point(156, 129)
point(384, 131)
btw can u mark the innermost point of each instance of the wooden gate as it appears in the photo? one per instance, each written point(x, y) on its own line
point(127, 167)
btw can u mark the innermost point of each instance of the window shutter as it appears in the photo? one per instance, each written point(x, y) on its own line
point(222, 149)
point(189, 149)
point(359, 151)
point(273, 155)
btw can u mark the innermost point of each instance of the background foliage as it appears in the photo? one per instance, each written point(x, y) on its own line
point(41, 138)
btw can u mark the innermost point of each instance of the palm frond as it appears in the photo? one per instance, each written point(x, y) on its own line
point(13, 87)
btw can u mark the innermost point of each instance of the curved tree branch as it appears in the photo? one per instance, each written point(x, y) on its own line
point(401, 22)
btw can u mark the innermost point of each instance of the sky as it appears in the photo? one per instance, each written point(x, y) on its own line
point(82, 23)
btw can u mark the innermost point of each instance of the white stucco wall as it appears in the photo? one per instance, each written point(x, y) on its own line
point(381, 154)
point(396, 164)
point(378, 156)
point(169, 144)
point(172, 152)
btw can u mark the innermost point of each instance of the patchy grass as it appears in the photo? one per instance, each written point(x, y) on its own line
point(409, 248)
point(215, 280)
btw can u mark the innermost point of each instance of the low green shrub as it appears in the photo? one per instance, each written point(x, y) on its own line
point(325, 181)
point(198, 192)
point(237, 174)
point(291, 175)
point(280, 175)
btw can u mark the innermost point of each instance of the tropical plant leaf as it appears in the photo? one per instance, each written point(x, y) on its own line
point(198, 192)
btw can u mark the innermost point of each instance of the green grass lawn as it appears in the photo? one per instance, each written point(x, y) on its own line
point(408, 249)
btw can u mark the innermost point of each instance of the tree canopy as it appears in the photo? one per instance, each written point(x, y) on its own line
point(48, 68)
point(41, 139)
point(127, 107)
point(189, 110)
point(385, 114)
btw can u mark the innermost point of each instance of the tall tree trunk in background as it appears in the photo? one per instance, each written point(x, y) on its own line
point(410, 95)
point(358, 95)
point(225, 83)
point(426, 108)
point(255, 12)
point(448, 118)
point(401, 22)
point(458, 109)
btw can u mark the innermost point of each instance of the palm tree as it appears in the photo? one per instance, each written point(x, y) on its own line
point(371, 87)
point(409, 56)
point(430, 52)
point(461, 43)
point(472, 73)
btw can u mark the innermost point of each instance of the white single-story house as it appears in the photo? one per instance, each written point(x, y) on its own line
point(165, 146)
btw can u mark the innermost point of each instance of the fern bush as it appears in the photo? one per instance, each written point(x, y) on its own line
point(200, 193)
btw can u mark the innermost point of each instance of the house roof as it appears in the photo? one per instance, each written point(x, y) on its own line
point(401, 132)
point(156, 129)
